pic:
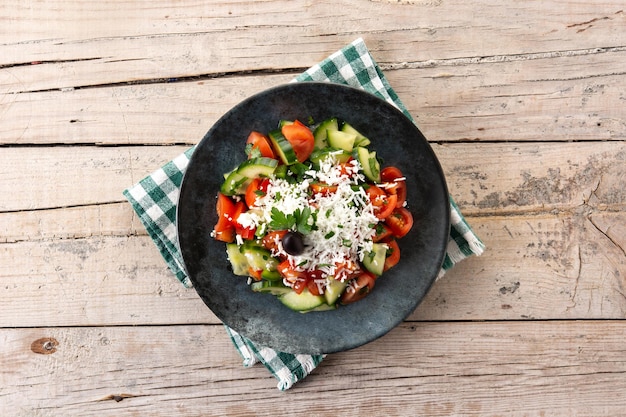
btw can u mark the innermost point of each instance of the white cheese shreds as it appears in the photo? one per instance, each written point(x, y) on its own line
point(344, 219)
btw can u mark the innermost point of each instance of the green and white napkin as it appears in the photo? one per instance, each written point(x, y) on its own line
point(154, 199)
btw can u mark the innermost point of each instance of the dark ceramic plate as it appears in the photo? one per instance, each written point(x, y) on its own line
point(261, 317)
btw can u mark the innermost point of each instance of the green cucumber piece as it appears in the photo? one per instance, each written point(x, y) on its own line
point(334, 289)
point(374, 261)
point(321, 132)
point(259, 258)
point(272, 287)
point(322, 307)
point(237, 260)
point(360, 139)
point(282, 147)
point(302, 302)
point(257, 167)
point(341, 140)
point(235, 183)
point(271, 275)
point(369, 163)
point(339, 155)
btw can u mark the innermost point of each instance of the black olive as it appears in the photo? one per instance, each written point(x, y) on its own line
point(293, 243)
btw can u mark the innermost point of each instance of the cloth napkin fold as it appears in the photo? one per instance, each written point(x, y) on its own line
point(154, 199)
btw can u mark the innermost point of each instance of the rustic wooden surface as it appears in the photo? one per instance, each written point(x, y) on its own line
point(523, 102)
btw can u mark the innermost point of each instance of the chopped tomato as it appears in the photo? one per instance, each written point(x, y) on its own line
point(383, 204)
point(271, 239)
point(227, 235)
point(262, 143)
point(382, 232)
point(240, 207)
point(255, 273)
point(393, 254)
point(300, 138)
point(225, 208)
point(400, 222)
point(313, 287)
point(246, 233)
point(323, 189)
point(358, 288)
point(299, 285)
point(394, 176)
point(346, 270)
point(256, 189)
point(290, 273)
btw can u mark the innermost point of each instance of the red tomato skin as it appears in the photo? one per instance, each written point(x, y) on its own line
point(393, 256)
point(251, 195)
point(358, 288)
point(262, 143)
point(400, 222)
point(225, 208)
point(300, 138)
point(390, 174)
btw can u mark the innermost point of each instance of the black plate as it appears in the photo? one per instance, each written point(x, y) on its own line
point(261, 317)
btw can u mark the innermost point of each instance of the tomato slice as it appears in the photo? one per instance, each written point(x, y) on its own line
point(227, 235)
point(271, 239)
point(246, 233)
point(393, 254)
point(323, 189)
point(240, 207)
point(262, 143)
point(313, 287)
point(225, 208)
point(393, 175)
point(382, 232)
point(383, 204)
point(255, 273)
point(358, 288)
point(300, 138)
point(400, 222)
point(255, 190)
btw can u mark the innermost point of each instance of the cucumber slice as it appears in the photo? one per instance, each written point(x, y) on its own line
point(272, 287)
point(322, 307)
point(360, 139)
point(237, 260)
point(341, 140)
point(369, 163)
point(321, 132)
point(258, 257)
point(374, 261)
point(235, 183)
point(271, 275)
point(302, 302)
point(257, 167)
point(334, 289)
point(282, 147)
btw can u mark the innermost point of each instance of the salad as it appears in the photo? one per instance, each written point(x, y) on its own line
point(310, 216)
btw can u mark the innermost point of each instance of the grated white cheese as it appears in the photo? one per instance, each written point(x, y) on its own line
point(344, 218)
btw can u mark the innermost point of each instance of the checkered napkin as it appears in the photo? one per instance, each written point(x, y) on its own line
point(155, 197)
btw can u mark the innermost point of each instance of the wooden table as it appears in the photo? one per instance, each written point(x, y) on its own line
point(523, 102)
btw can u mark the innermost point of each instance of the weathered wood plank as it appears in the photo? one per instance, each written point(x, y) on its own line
point(120, 41)
point(63, 176)
point(434, 369)
point(536, 267)
point(515, 100)
point(484, 179)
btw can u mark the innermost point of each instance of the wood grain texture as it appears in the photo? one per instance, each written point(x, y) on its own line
point(434, 369)
point(521, 101)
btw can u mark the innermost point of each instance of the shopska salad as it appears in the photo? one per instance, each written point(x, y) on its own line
point(310, 217)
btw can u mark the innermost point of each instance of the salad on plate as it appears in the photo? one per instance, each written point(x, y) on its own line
point(310, 216)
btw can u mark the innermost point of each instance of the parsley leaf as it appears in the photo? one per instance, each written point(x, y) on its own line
point(252, 152)
point(280, 220)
